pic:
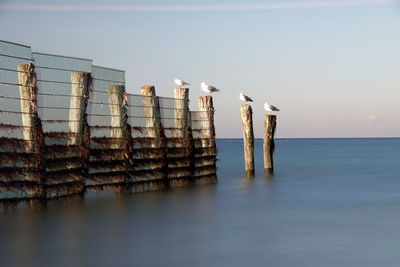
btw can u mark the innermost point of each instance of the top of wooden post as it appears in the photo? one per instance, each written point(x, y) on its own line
point(181, 93)
point(246, 108)
point(206, 103)
point(148, 90)
point(81, 83)
point(27, 77)
point(80, 75)
point(269, 116)
point(116, 88)
point(247, 121)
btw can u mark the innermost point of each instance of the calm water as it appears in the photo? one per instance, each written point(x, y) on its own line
point(331, 202)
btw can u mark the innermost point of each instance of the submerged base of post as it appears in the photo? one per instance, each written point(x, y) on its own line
point(269, 143)
point(250, 174)
point(268, 172)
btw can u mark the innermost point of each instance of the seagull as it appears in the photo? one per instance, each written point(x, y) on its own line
point(269, 107)
point(208, 88)
point(245, 98)
point(180, 82)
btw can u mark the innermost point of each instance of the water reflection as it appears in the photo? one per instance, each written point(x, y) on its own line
point(23, 239)
point(20, 205)
point(246, 183)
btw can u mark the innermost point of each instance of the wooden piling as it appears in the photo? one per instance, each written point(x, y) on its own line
point(205, 149)
point(117, 161)
point(248, 138)
point(28, 89)
point(158, 168)
point(269, 143)
point(206, 109)
point(80, 82)
point(181, 109)
point(152, 112)
point(67, 174)
point(32, 134)
point(118, 111)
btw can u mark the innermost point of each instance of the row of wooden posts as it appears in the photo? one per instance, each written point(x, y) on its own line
point(248, 141)
point(192, 159)
point(80, 90)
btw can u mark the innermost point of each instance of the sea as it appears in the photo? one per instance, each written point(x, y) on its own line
point(329, 202)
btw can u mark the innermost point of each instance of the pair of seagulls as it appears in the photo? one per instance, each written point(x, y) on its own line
point(211, 89)
point(204, 86)
point(267, 107)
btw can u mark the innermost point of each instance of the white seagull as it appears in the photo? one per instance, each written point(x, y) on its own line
point(245, 98)
point(269, 107)
point(180, 82)
point(208, 88)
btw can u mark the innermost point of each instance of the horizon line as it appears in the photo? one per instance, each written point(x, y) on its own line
point(348, 137)
point(198, 8)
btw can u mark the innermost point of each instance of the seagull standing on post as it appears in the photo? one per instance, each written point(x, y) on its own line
point(208, 88)
point(270, 108)
point(180, 82)
point(245, 98)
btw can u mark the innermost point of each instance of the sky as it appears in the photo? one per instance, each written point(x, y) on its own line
point(331, 66)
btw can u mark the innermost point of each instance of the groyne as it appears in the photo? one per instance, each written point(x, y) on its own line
point(67, 126)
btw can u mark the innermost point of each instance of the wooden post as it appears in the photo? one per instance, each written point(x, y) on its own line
point(117, 100)
point(269, 144)
point(205, 169)
point(155, 129)
point(248, 139)
point(151, 111)
point(117, 104)
point(80, 82)
point(206, 109)
point(181, 109)
point(28, 89)
point(32, 134)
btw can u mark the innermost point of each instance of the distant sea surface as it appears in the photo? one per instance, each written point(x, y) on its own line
point(330, 202)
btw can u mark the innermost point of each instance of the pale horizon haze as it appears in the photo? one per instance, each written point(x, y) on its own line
point(332, 67)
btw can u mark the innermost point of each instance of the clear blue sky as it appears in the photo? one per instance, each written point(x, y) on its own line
point(332, 66)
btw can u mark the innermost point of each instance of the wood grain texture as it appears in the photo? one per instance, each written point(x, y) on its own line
point(248, 138)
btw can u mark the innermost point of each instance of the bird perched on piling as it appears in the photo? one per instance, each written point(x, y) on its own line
point(180, 82)
point(208, 88)
point(270, 108)
point(245, 98)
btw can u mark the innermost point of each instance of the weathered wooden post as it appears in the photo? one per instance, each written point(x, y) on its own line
point(206, 109)
point(269, 144)
point(80, 83)
point(28, 89)
point(32, 135)
point(179, 150)
point(248, 139)
point(205, 169)
point(152, 112)
point(117, 100)
point(155, 131)
point(117, 104)
point(181, 109)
